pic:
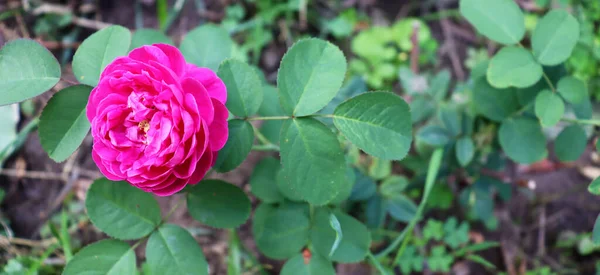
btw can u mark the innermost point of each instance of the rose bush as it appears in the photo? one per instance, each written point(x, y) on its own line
point(157, 121)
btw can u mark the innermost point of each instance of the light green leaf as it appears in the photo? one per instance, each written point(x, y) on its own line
point(207, 46)
point(317, 265)
point(238, 146)
point(172, 250)
point(310, 75)
point(244, 88)
point(499, 20)
point(63, 123)
point(379, 169)
point(439, 85)
point(594, 187)
point(9, 118)
point(596, 231)
point(495, 104)
point(280, 232)
point(263, 182)
point(99, 50)
point(393, 186)
point(27, 69)
point(549, 108)
point(522, 140)
point(339, 235)
point(465, 150)
point(572, 89)
point(379, 123)
point(354, 245)
point(312, 159)
point(480, 260)
point(218, 204)
point(513, 67)
point(570, 143)
point(142, 37)
point(121, 210)
point(110, 257)
point(555, 37)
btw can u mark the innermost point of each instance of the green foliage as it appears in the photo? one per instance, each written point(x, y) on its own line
point(513, 67)
point(317, 265)
point(238, 146)
point(570, 143)
point(143, 37)
point(281, 231)
point(370, 122)
point(312, 159)
point(110, 257)
point(218, 204)
point(121, 210)
point(455, 234)
point(572, 90)
point(97, 51)
point(499, 20)
point(311, 74)
point(28, 70)
point(522, 140)
point(495, 104)
point(594, 187)
point(555, 37)
point(465, 150)
point(263, 182)
point(440, 260)
point(172, 250)
point(207, 46)
point(353, 246)
point(244, 88)
point(549, 108)
point(63, 123)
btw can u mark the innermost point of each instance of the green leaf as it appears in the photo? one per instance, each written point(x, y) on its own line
point(549, 108)
point(379, 123)
point(312, 159)
point(451, 119)
point(434, 135)
point(476, 247)
point(375, 212)
point(9, 118)
point(379, 169)
point(555, 37)
point(583, 110)
point(514, 67)
point(218, 204)
point(480, 260)
point(495, 104)
point(109, 257)
point(285, 188)
point(317, 265)
point(172, 250)
point(280, 232)
point(263, 182)
point(393, 186)
point(354, 245)
point(63, 123)
point(244, 88)
point(596, 231)
point(142, 37)
point(438, 87)
point(465, 150)
point(364, 187)
point(310, 75)
point(499, 20)
point(572, 90)
point(434, 230)
point(440, 260)
point(570, 143)
point(207, 46)
point(522, 140)
point(346, 190)
point(271, 107)
point(238, 146)
point(335, 225)
point(455, 234)
point(99, 50)
point(593, 188)
point(121, 210)
point(401, 208)
point(411, 260)
point(27, 69)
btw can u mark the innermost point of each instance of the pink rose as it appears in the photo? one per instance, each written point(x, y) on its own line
point(157, 121)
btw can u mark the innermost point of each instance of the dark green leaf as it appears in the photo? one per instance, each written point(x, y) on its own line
point(238, 146)
point(280, 232)
point(596, 231)
point(310, 75)
point(378, 123)
point(121, 210)
point(451, 119)
point(263, 182)
point(465, 150)
point(401, 208)
point(63, 123)
point(143, 37)
point(27, 69)
point(244, 88)
point(480, 260)
point(522, 140)
point(99, 50)
point(354, 245)
point(570, 143)
point(364, 187)
point(495, 104)
point(317, 265)
point(375, 212)
point(172, 250)
point(312, 159)
point(109, 257)
point(218, 204)
point(434, 135)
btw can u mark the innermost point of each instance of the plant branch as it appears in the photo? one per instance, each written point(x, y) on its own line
point(268, 118)
point(376, 263)
point(549, 82)
point(582, 121)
